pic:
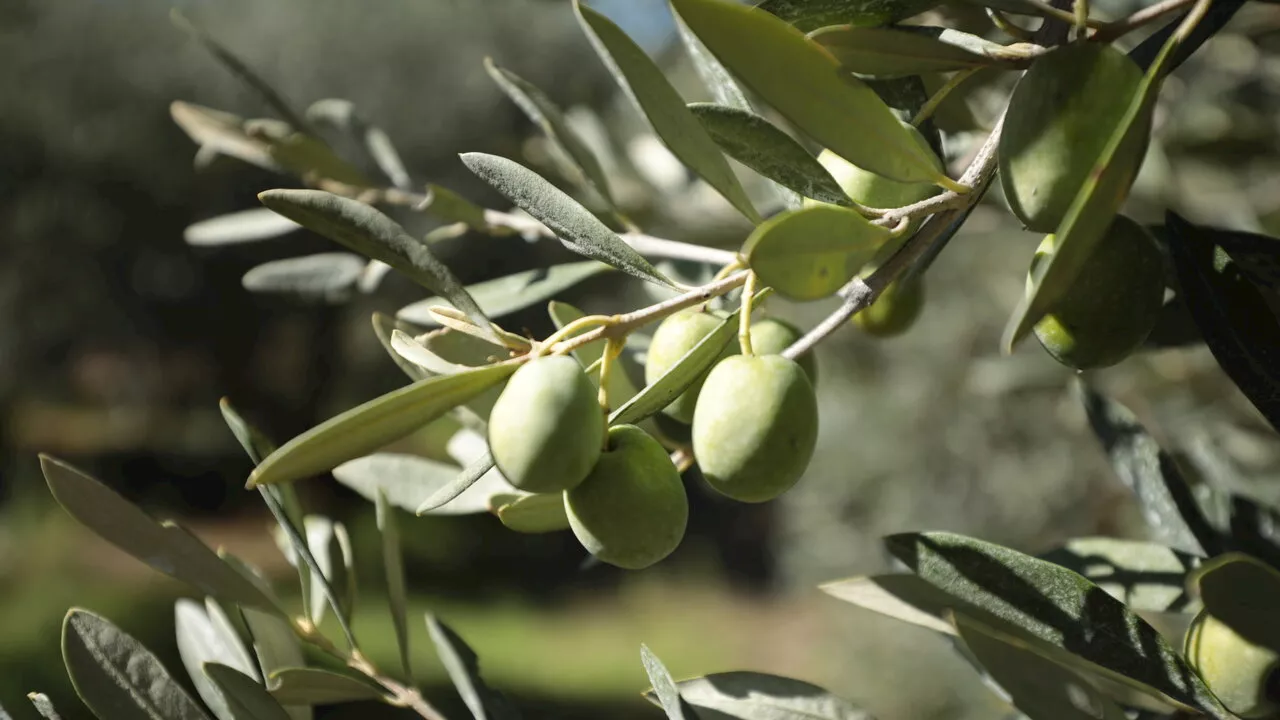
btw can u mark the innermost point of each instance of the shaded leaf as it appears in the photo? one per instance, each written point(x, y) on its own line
point(331, 549)
point(384, 327)
point(302, 154)
point(505, 295)
point(327, 277)
point(222, 133)
point(758, 144)
point(715, 76)
point(805, 84)
point(368, 427)
point(1056, 607)
point(1236, 322)
point(314, 686)
point(809, 254)
point(416, 353)
point(245, 698)
point(460, 663)
point(902, 52)
point(449, 206)
point(469, 491)
point(757, 696)
point(648, 88)
point(43, 705)
point(276, 647)
point(343, 116)
point(405, 480)
point(165, 546)
point(364, 230)
point(393, 566)
point(812, 14)
point(1242, 593)
point(1145, 576)
point(535, 513)
point(663, 686)
point(899, 596)
point(255, 444)
point(238, 227)
point(116, 676)
point(205, 634)
point(575, 226)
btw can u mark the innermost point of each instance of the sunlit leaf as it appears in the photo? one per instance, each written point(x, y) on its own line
point(505, 295)
point(723, 87)
point(276, 647)
point(314, 686)
point(809, 254)
point(902, 52)
point(238, 227)
point(460, 663)
point(1145, 576)
point(326, 277)
point(406, 480)
point(664, 688)
point(246, 699)
point(205, 634)
point(471, 491)
point(302, 154)
point(43, 705)
point(416, 353)
point(900, 596)
point(757, 696)
point(811, 14)
point(535, 513)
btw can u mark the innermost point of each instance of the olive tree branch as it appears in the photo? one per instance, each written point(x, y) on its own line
point(401, 695)
point(1113, 30)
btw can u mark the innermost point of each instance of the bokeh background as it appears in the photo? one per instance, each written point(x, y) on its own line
point(117, 339)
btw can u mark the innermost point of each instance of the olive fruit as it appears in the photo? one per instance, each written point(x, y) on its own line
point(1113, 304)
point(547, 426)
point(1244, 676)
point(755, 426)
point(675, 336)
point(876, 191)
point(1061, 116)
point(631, 511)
point(895, 311)
point(770, 336)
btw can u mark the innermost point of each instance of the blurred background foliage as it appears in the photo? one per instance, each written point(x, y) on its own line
point(117, 339)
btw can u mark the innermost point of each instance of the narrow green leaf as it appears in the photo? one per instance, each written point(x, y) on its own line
point(276, 646)
point(1145, 576)
point(342, 115)
point(449, 206)
point(364, 230)
point(1057, 607)
point(758, 144)
point(302, 154)
point(723, 87)
point(535, 513)
point(575, 226)
point(246, 699)
point(416, 353)
point(405, 480)
point(460, 663)
point(393, 565)
point(1094, 207)
point(502, 296)
point(43, 705)
point(902, 597)
point(806, 84)
point(234, 228)
point(368, 427)
point(653, 95)
point(812, 14)
point(314, 686)
point(476, 479)
point(757, 696)
point(1243, 593)
point(1040, 687)
point(550, 119)
point(902, 52)
point(331, 548)
point(222, 133)
point(1236, 321)
point(205, 634)
point(384, 327)
point(255, 444)
point(323, 277)
point(809, 254)
point(116, 676)
point(165, 546)
point(1167, 501)
point(663, 686)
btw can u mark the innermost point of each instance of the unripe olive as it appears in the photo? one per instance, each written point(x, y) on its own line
point(1113, 304)
point(1244, 676)
point(675, 336)
point(770, 336)
point(876, 191)
point(547, 426)
point(631, 511)
point(895, 311)
point(755, 426)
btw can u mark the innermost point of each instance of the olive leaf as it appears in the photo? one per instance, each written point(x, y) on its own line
point(790, 71)
point(325, 277)
point(665, 110)
point(331, 547)
point(164, 546)
point(116, 676)
point(255, 443)
point(316, 686)
point(405, 480)
point(812, 14)
point(460, 663)
point(364, 230)
point(550, 119)
point(505, 295)
point(1145, 576)
point(534, 513)
point(205, 634)
point(302, 154)
point(393, 567)
point(715, 76)
point(1057, 608)
point(900, 596)
point(368, 427)
point(575, 226)
point(276, 646)
point(757, 696)
point(222, 133)
point(449, 206)
point(758, 144)
point(416, 353)
point(809, 254)
point(664, 688)
point(246, 699)
point(1242, 593)
point(1040, 687)
point(1166, 500)
point(463, 481)
point(1236, 322)
point(903, 52)
point(1257, 256)
point(242, 226)
point(384, 327)
point(342, 116)
point(43, 705)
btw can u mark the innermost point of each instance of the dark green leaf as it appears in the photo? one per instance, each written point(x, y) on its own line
point(460, 662)
point(164, 546)
point(812, 14)
point(368, 427)
point(393, 565)
point(577, 228)
point(405, 480)
point(805, 83)
point(43, 705)
point(659, 394)
point(323, 277)
point(246, 699)
point(756, 143)
point(205, 634)
point(1167, 502)
point(1056, 607)
point(663, 686)
point(756, 696)
point(809, 254)
point(117, 677)
point(1040, 687)
point(1243, 593)
point(1145, 576)
point(902, 52)
point(364, 230)
point(644, 82)
point(535, 513)
point(314, 686)
point(238, 227)
point(1237, 324)
point(505, 295)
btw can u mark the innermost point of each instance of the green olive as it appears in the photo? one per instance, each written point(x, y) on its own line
point(547, 426)
point(875, 191)
point(895, 311)
point(632, 510)
point(1244, 676)
point(755, 426)
point(770, 336)
point(675, 336)
point(1113, 304)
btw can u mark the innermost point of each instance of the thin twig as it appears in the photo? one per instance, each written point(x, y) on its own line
point(401, 695)
point(1007, 26)
point(1113, 30)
